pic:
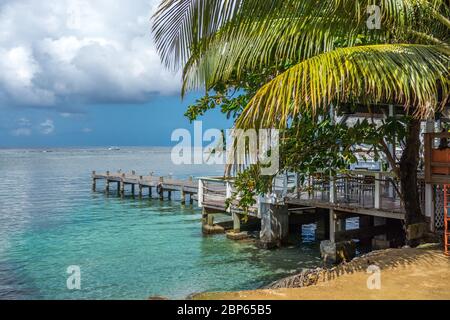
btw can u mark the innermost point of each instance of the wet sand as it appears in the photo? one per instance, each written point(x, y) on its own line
point(404, 274)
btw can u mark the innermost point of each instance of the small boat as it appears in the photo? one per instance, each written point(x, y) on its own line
point(113, 148)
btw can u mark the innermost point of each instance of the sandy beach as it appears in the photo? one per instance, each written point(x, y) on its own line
point(421, 273)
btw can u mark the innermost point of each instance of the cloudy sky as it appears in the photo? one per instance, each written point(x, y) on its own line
point(85, 72)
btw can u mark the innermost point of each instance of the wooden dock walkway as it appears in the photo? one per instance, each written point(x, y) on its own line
point(151, 182)
point(324, 201)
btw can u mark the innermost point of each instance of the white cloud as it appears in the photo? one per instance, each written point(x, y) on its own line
point(86, 130)
point(21, 132)
point(47, 127)
point(75, 51)
point(24, 122)
point(23, 128)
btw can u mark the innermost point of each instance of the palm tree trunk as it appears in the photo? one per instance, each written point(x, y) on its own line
point(408, 175)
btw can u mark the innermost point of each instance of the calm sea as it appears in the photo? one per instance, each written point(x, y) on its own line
point(125, 248)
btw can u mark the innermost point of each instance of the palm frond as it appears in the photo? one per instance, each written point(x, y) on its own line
point(181, 26)
point(416, 76)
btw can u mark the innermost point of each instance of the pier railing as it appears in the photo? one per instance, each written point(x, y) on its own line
point(362, 189)
point(213, 193)
point(358, 188)
point(353, 188)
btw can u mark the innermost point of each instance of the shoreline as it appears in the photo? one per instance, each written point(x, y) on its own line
point(421, 273)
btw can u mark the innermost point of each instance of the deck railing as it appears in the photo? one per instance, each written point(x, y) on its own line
point(359, 188)
point(351, 188)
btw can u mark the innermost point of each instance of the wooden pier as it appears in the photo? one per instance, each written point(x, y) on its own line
point(369, 196)
point(161, 185)
point(327, 202)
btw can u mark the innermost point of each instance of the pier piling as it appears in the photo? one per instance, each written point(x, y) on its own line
point(183, 196)
point(94, 182)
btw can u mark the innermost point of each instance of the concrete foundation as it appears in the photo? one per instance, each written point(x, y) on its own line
point(215, 229)
point(209, 227)
point(232, 235)
point(274, 225)
point(236, 222)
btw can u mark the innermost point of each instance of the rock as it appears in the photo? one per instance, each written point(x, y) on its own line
point(306, 278)
point(267, 245)
point(232, 235)
point(337, 252)
point(416, 231)
point(158, 298)
point(215, 229)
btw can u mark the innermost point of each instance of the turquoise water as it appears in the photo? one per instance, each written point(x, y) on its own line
point(125, 248)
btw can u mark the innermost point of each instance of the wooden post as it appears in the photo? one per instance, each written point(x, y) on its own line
point(332, 226)
point(236, 222)
point(200, 193)
point(107, 183)
point(118, 188)
point(204, 216)
point(377, 200)
point(161, 190)
point(150, 192)
point(229, 193)
point(210, 219)
point(122, 186)
point(94, 182)
point(183, 196)
point(332, 189)
point(122, 189)
point(132, 189)
point(140, 186)
point(169, 195)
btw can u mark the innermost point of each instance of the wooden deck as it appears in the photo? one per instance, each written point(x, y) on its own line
point(359, 192)
point(160, 184)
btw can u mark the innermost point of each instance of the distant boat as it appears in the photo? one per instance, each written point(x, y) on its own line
point(113, 148)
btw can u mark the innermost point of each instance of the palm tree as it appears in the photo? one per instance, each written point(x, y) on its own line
point(337, 58)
